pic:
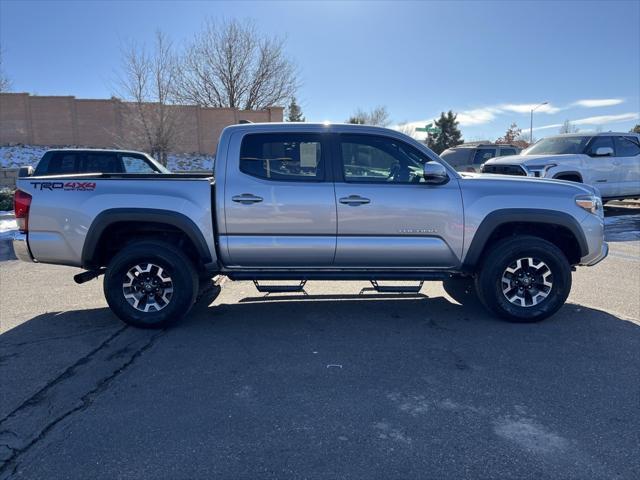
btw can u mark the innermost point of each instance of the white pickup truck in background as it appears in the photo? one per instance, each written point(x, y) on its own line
point(608, 161)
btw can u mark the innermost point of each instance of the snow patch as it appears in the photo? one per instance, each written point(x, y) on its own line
point(21, 155)
point(622, 228)
point(8, 225)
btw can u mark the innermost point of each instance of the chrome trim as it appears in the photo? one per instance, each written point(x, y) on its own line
point(21, 247)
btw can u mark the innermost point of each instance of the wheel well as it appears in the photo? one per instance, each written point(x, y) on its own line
point(571, 177)
point(560, 236)
point(120, 234)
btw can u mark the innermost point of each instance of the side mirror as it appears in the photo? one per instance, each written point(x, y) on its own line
point(603, 151)
point(25, 171)
point(434, 173)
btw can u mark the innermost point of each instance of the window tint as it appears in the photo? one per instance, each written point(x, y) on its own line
point(101, 163)
point(372, 159)
point(626, 147)
point(599, 142)
point(507, 151)
point(136, 165)
point(63, 162)
point(483, 154)
point(294, 157)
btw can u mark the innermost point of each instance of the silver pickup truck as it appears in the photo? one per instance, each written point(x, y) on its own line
point(313, 202)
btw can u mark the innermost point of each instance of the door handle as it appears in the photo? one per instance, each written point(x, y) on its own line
point(246, 199)
point(354, 200)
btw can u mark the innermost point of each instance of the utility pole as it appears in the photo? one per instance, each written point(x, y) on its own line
point(531, 124)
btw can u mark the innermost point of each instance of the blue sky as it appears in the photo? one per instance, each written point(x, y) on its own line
point(488, 61)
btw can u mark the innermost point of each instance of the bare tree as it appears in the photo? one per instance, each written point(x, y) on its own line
point(5, 83)
point(513, 136)
point(146, 82)
point(407, 129)
point(377, 116)
point(568, 127)
point(230, 64)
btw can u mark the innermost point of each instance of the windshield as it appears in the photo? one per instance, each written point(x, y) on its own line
point(558, 146)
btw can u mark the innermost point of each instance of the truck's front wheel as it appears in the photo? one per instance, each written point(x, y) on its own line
point(150, 284)
point(524, 279)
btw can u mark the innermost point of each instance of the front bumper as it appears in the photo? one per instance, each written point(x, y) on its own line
point(604, 251)
point(21, 248)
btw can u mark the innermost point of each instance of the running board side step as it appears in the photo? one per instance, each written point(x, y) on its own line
point(396, 288)
point(280, 288)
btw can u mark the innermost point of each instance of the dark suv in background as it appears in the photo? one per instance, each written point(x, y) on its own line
point(468, 157)
point(69, 161)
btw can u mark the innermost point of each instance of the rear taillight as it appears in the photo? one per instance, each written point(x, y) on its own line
point(21, 205)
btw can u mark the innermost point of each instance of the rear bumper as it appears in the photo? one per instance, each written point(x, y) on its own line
point(21, 248)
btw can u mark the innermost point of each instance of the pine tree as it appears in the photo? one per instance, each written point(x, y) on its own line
point(449, 135)
point(294, 112)
point(636, 129)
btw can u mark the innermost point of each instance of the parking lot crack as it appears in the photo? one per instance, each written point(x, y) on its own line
point(71, 392)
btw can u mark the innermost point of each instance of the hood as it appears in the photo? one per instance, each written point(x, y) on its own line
point(533, 184)
point(529, 159)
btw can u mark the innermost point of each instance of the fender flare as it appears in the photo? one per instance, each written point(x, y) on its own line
point(569, 172)
point(142, 215)
point(520, 215)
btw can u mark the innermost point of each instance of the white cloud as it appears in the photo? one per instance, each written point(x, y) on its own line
point(527, 107)
point(484, 115)
point(597, 120)
point(477, 116)
point(598, 102)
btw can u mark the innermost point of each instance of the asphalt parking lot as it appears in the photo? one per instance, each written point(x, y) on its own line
point(333, 384)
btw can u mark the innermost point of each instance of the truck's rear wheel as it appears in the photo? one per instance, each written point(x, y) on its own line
point(150, 284)
point(524, 279)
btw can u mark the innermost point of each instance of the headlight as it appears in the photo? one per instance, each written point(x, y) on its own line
point(590, 203)
point(539, 170)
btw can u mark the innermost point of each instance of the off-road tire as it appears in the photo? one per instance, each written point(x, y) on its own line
point(489, 280)
point(175, 265)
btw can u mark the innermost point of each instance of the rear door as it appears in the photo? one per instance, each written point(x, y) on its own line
point(279, 201)
point(628, 156)
point(387, 216)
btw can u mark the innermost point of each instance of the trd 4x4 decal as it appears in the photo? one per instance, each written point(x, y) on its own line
point(68, 186)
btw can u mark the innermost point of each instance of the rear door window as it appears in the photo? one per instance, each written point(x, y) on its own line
point(483, 154)
point(101, 162)
point(61, 163)
point(293, 157)
point(507, 151)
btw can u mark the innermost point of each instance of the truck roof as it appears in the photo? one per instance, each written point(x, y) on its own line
point(289, 126)
point(96, 150)
point(596, 134)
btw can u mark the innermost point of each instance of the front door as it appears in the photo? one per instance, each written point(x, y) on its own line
point(602, 171)
point(279, 202)
point(387, 216)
